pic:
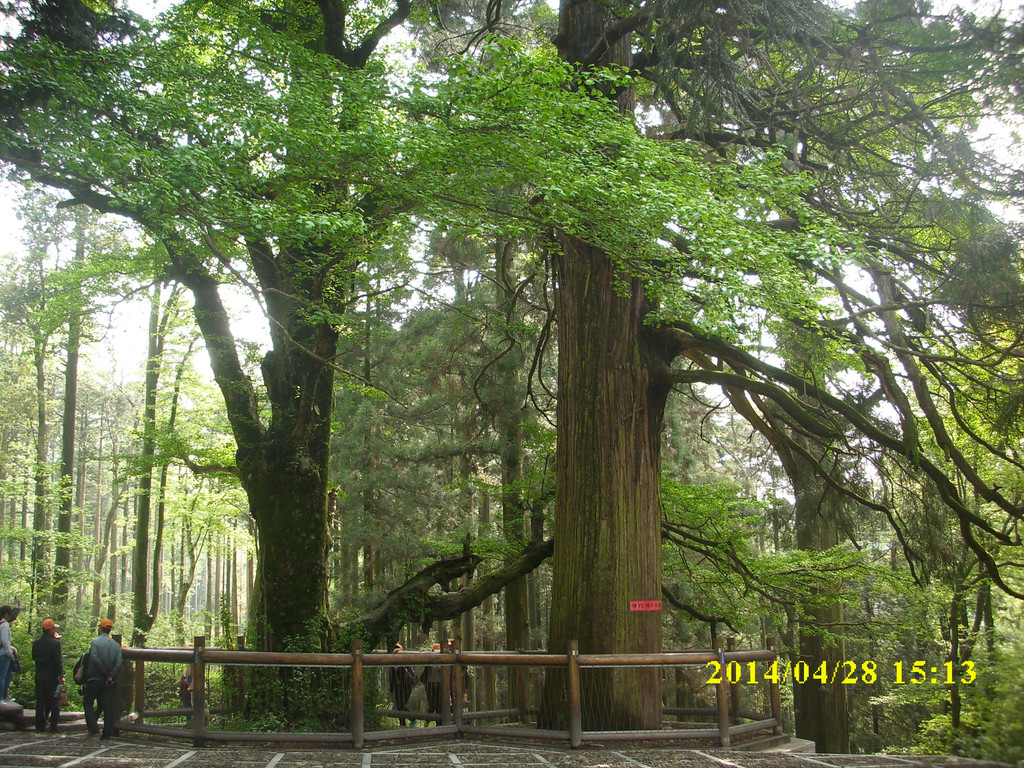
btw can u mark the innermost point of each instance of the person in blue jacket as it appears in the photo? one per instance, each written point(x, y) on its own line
point(49, 659)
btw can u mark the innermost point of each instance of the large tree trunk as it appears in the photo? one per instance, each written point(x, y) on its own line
point(289, 504)
point(611, 402)
point(820, 710)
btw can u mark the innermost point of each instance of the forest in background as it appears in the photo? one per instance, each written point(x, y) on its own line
point(386, 247)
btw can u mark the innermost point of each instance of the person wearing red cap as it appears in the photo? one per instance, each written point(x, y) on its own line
point(46, 653)
point(104, 664)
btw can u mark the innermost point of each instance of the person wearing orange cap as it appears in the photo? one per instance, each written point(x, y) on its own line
point(46, 653)
point(104, 663)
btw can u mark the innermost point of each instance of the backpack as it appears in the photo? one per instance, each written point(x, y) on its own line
point(81, 669)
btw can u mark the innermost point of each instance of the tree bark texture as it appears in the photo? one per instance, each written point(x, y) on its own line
point(608, 497)
point(820, 710)
point(288, 498)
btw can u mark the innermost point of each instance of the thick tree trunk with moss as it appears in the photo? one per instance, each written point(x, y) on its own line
point(282, 458)
point(611, 398)
point(288, 492)
point(820, 710)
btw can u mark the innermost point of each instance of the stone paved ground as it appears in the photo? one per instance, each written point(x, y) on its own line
point(24, 750)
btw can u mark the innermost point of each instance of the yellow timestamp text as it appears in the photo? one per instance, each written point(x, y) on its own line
point(843, 672)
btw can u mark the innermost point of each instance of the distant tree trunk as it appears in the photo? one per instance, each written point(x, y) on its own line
point(140, 561)
point(8, 432)
point(820, 710)
point(104, 537)
point(62, 561)
point(98, 516)
point(156, 588)
point(487, 685)
point(509, 422)
point(24, 554)
point(40, 518)
point(191, 552)
point(81, 473)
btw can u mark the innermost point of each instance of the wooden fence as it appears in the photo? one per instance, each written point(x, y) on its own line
point(724, 722)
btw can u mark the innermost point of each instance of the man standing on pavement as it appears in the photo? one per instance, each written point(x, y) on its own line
point(46, 653)
point(101, 681)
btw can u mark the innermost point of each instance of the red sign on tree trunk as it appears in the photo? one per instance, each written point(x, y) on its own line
point(645, 605)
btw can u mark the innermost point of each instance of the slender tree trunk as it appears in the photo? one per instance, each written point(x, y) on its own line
point(488, 687)
point(80, 489)
point(62, 562)
point(40, 519)
point(191, 552)
point(156, 589)
point(513, 511)
point(140, 561)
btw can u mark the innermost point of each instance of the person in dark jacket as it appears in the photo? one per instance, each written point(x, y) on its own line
point(46, 653)
point(401, 681)
point(431, 678)
point(104, 664)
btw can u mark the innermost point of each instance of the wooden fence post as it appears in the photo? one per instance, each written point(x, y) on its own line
point(123, 700)
point(358, 726)
point(446, 687)
point(140, 680)
point(198, 692)
point(573, 694)
point(517, 677)
point(239, 703)
point(457, 691)
point(722, 700)
point(734, 690)
point(775, 697)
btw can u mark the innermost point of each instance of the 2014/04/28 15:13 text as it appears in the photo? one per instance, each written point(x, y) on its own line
point(845, 672)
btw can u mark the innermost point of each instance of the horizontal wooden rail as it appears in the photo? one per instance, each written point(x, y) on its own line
point(722, 720)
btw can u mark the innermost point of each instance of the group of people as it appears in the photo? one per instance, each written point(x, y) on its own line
point(402, 680)
point(101, 665)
